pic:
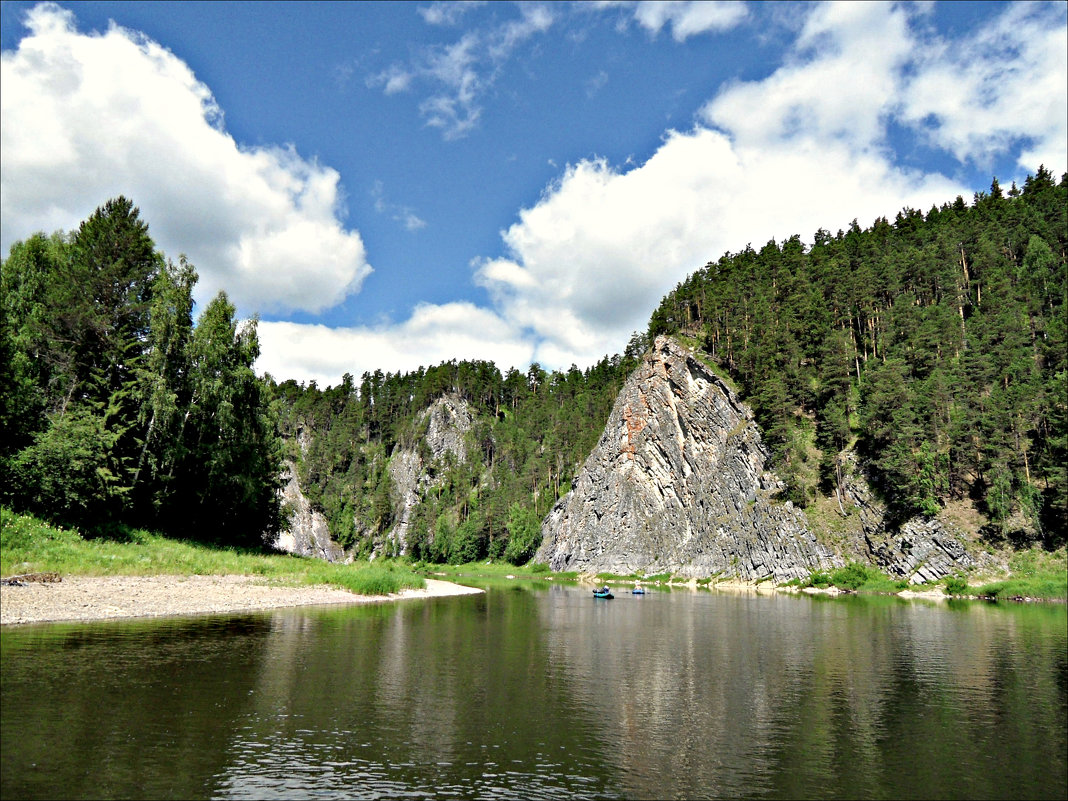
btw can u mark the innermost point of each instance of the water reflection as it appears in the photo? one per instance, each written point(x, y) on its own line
point(859, 697)
point(546, 693)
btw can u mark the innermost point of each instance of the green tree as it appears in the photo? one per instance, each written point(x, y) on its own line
point(524, 535)
point(230, 463)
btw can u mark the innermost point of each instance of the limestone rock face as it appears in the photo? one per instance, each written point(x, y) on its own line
point(678, 483)
point(920, 550)
point(447, 421)
point(309, 533)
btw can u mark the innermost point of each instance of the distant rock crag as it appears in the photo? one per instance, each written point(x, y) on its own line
point(678, 483)
point(308, 533)
point(414, 471)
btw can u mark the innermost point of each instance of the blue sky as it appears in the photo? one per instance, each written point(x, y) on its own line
point(389, 185)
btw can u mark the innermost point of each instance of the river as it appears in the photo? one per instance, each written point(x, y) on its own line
point(538, 690)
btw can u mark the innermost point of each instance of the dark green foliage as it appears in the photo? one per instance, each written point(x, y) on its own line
point(852, 576)
point(955, 585)
point(936, 343)
point(118, 411)
point(530, 434)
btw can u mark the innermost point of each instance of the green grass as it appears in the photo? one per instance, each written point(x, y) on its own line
point(29, 545)
point(1035, 573)
point(618, 577)
point(856, 577)
point(490, 569)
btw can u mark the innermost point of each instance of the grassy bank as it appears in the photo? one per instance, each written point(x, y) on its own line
point(489, 569)
point(29, 545)
point(1035, 573)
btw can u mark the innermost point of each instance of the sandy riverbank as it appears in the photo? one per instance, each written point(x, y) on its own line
point(103, 597)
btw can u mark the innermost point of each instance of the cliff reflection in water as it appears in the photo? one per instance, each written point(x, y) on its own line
point(425, 698)
point(753, 695)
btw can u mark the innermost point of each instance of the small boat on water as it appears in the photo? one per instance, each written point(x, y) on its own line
point(603, 592)
point(638, 591)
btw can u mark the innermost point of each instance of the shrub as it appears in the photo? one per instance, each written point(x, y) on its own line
point(818, 579)
point(852, 576)
point(955, 585)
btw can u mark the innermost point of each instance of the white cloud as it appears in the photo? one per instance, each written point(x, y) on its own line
point(87, 117)
point(461, 72)
point(803, 149)
point(689, 18)
point(433, 334)
point(588, 263)
point(447, 13)
point(1006, 83)
point(839, 83)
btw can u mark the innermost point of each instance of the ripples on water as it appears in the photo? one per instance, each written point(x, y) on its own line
point(546, 693)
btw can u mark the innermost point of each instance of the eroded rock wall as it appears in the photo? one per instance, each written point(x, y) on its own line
point(308, 533)
point(678, 483)
point(448, 419)
point(921, 550)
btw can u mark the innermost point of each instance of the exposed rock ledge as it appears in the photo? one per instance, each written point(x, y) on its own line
point(678, 483)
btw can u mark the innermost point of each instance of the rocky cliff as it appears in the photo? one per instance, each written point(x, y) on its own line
point(920, 550)
point(415, 470)
point(308, 533)
point(678, 483)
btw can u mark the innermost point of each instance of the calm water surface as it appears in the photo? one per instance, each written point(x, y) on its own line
point(539, 690)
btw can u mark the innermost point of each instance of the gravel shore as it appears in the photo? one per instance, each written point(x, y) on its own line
point(104, 597)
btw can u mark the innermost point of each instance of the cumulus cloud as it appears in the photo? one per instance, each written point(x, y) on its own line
point(837, 85)
point(587, 264)
point(689, 18)
point(1004, 84)
point(805, 148)
point(433, 334)
point(91, 116)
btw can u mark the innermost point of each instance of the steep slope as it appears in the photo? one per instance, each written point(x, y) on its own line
point(305, 532)
point(416, 470)
point(678, 483)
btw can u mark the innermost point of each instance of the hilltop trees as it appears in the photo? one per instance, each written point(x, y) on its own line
point(934, 348)
point(935, 344)
point(116, 408)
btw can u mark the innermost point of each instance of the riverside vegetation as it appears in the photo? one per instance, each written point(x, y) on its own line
point(29, 545)
point(930, 352)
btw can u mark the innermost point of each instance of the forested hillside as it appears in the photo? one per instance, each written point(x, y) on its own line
point(531, 432)
point(115, 408)
point(933, 345)
point(929, 353)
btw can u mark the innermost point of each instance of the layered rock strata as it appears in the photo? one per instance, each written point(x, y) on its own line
point(678, 483)
point(921, 550)
point(308, 533)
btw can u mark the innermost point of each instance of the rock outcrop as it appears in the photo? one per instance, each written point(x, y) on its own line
point(413, 471)
point(678, 483)
point(921, 550)
point(308, 533)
